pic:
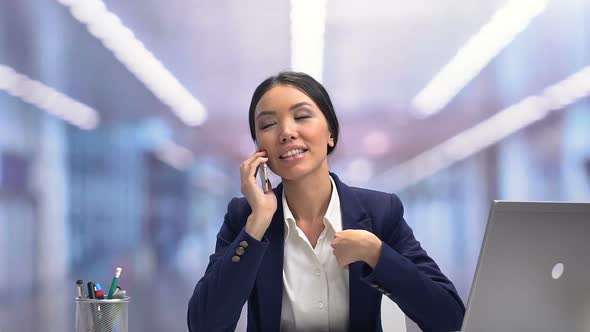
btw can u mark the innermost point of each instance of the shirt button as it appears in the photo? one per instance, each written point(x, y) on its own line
point(321, 305)
point(317, 273)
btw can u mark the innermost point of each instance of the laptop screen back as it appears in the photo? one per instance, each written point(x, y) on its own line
point(533, 272)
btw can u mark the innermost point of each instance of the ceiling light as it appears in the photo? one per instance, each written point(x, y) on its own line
point(488, 132)
point(479, 50)
point(308, 24)
point(121, 41)
point(47, 99)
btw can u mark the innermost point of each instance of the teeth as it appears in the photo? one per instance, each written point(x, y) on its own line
point(292, 153)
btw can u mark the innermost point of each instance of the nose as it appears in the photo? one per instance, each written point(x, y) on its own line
point(287, 133)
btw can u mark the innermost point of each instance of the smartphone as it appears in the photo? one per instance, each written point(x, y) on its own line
point(264, 179)
point(263, 171)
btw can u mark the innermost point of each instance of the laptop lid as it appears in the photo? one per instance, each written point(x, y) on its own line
point(533, 272)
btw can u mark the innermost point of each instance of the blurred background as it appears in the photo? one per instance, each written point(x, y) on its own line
point(123, 124)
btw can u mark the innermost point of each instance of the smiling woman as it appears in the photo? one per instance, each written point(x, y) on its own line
point(293, 132)
point(323, 257)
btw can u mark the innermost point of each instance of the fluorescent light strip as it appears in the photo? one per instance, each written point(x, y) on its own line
point(116, 37)
point(504, 26)
point(308, 24)
point(47, 99)
point(488, 132)
point(175, 155)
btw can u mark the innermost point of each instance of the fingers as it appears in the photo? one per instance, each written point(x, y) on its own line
point(343, 263)
point(246, 164)
point(338, 253)
point(339, 238)
point(253, 169)
point(249, 166)
point(253, 157)
point(343, 249)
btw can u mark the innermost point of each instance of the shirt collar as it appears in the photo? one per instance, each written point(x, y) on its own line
point(331, 218)
point(333, 215)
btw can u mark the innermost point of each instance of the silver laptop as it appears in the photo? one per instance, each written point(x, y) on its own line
point(533, 272)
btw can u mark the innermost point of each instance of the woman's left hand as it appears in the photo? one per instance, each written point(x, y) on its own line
point(353, 245)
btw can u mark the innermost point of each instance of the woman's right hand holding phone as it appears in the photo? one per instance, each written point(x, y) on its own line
point(263, 205)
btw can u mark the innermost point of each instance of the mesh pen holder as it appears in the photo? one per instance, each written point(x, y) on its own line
point(94, 315)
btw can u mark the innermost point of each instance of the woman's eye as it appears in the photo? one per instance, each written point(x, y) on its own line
point(301, 117)
point(266, 125)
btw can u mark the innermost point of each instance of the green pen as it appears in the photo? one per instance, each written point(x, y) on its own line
point(115, 282)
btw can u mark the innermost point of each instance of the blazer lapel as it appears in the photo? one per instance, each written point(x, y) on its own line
point(269, 283)
point(354, 216)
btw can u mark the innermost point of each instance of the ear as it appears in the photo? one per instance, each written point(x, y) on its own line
point(331, 142)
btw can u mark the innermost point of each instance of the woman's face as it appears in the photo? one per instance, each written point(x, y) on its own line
point(293, 131)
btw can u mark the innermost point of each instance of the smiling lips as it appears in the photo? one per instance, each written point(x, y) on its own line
point(292, 154)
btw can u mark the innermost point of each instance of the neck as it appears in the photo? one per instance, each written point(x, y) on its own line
point(309, 197)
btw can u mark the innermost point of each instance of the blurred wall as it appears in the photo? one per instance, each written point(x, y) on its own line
point(75, 204)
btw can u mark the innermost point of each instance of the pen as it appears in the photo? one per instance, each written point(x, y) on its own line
point(79, 284)
point(114, 283)
point(91, 293)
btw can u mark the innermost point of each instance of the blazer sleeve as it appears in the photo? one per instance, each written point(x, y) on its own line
point(221, 293)
point(409, 277)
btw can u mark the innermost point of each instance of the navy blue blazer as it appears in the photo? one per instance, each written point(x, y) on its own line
point(404, 272)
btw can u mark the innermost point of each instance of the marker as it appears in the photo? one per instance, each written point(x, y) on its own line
point(91, 293)
point(114, 283)
point(120, 294)
point(99, 291)
point(79, 284)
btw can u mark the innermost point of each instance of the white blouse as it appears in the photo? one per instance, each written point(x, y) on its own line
point(315, 288)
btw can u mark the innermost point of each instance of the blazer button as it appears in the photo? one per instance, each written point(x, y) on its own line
point(235, 259)
point(240, 251)
point(244, 244)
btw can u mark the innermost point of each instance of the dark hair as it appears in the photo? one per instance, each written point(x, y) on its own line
point(306, 84)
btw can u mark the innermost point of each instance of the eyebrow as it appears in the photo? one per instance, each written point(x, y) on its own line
point(294, 107)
